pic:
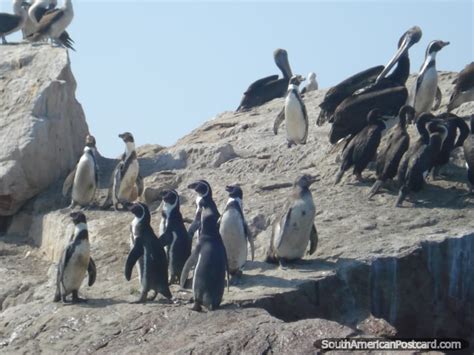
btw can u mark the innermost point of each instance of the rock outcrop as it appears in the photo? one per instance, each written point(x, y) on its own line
point(42, 125)
point(378, 270)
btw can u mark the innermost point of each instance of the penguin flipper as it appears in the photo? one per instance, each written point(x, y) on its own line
point(133, 256)
point(192, 260)
point(166, 238)
point(313, 240)
point(117, 181)
point(437, 100)
point(140, 185)
point(195, 225)
point(282, 232)
point(68, 182)
point(278, 120)
point(92, 271)
point(250, 239)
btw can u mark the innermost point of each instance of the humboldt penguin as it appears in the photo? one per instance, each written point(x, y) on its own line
point(295, 228)
point(53, 24)
point(312, 84)
point(397, 143)
point(173, 235)
point(463, 88)
point(295, 116)
point(204, 192)
point(411, 175)
point(270, 87)
point(426, 84)
point(84, 178)
point(348, 104)
point(468, 147)
point(75, 262)
point(209, 260)
point(362, 148)
point(127, 184)
point(453, 124)
point(154, 274)
point(235, 232)
point(10, 23)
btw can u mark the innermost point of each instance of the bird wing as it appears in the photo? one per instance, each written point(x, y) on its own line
point(140, 184)
point(260, 82)
point(196, 223)
point(117, 179)
point(65, 257)
point(305, 117)
point(285, 220)
point(92, 271)
point(133, 256)
point(66, 40)
point(463, 131)
point(48, 19)
point(437, 100)
point(250, 240)
point(278, 120)
point(9, 21)
point(313, 240)
point(192, 260)
point(69, 182)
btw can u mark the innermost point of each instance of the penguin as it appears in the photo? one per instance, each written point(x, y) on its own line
point(426, 85)
point(235, 232)
point(397, 144)
point(75, 262)
point(468, 148)
point(84, 178)
point(295, 228)
point(209, 260)
point(295, 116)
point(204, 192)
point(312, 84)
point(154, 274)
point(412, 176)
point(174, 236)
point(362, 148)
point(127, 184)
point(452, 123)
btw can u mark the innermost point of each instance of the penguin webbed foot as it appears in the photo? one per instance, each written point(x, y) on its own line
point(197, 307)
point(283, 264)
point(76, 298)
point(236, 278)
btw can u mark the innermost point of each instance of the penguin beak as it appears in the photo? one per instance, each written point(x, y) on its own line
point(128, 205)
point(229, 188)
point(312, 180)
point(444, 44)
point(193, 186)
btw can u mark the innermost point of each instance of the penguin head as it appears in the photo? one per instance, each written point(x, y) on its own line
point(435, 47)
point(140, 210)
point(295, 81)
point(234, 191)
point(77, 217)
point(127, 137)
point(171, 198)
point(406, 114)
point(305, 181)
point(202, 187)
point(90, 141)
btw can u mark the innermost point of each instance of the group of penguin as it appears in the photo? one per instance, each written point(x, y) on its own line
point(40, 20)
point(222, 241)
point(374, 104)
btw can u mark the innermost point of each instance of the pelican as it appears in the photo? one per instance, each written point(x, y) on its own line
point(463, 88)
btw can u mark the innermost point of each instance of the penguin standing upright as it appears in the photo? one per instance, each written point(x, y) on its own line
point(174, 235)
point(84, 178)
point(154, 274)
point(204, 192)
point(295, 228)
point(468, 147)
point(75, 262)
point(234, 232)
point(210, 261)
point(295, 116)
point(127, 183)
point(426, 85)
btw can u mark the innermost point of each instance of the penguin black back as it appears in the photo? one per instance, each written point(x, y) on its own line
point(155, 271)
point(468, 148)
point(204, 191)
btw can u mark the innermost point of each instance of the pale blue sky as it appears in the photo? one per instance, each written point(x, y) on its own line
point(160, 69)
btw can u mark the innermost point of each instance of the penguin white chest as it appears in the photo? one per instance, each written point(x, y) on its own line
point(127, 185)
point(292, 241)
point(294, 119)
point(235, 241)
point(84, 186)
point(76, 268)
point(426, 92)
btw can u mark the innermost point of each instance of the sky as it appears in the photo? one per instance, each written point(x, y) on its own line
point(160, 69)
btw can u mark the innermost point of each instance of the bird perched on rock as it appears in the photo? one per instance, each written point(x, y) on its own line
point(312, 84)
point(204, 192)
point(295, 228)
point(295, 116)
point(75, 262)
point(361, 149)
point(10, 23)
point(468, 147)
point(463, 88)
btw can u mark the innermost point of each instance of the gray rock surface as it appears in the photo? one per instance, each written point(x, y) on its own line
point(377, 271)
point(42, 126)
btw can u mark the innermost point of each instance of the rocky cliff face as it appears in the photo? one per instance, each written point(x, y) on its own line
point(42, 126)
point(378, 270)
